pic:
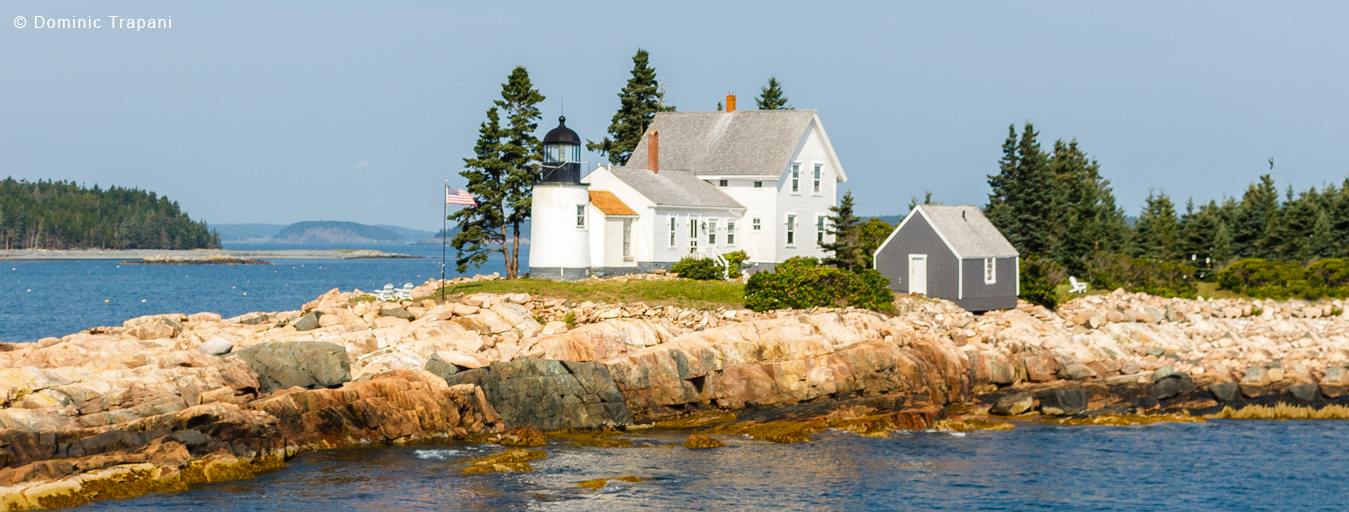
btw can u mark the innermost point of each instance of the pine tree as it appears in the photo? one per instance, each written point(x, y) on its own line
point(481, 227)
point(1296, 226)
point(771, 96)
point(1322, 240)
point(1222, 246)
point(1258, 204)
point(1089, 222)
point(1023, 204)
point(522, 153)
point(1157, 231)
point(501, 176)
point(846, 228)
point(639, 101)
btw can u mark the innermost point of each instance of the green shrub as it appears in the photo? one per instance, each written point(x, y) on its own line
point(1037, 286)
point(1153, 277)
point(1282, 280)
point(734, 260)
point(702, 269)
point(801, 283)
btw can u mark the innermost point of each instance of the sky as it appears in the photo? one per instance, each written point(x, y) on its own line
point(280, 112)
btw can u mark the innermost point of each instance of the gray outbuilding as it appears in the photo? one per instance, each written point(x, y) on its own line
point(952, 253)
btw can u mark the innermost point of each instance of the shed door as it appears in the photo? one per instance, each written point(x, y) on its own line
point(918, 273)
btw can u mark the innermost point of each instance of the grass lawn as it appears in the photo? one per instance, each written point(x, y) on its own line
point(682, 292)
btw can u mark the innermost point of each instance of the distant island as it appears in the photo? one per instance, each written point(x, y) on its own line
point(320, 232)
point(64, 215)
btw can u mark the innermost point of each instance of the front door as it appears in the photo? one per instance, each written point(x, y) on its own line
point(918, 273)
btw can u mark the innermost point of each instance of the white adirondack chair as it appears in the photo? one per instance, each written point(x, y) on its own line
point(1078, 286)
point(405, 293)
point(385, 294)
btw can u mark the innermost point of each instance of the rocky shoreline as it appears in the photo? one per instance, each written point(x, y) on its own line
point(214, 259)
point(164, 401)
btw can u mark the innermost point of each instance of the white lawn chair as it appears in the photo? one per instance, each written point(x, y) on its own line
point(405, 293)
point(385, 294)
point(1078, 286)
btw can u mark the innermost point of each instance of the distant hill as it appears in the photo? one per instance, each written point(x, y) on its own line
point(247, 232)
point(409, 234)
point(891, 219)
point(64, 215)
point(330, 232)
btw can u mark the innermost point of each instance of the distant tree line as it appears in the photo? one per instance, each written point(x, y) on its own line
point(1060, 213)
point(63, 215)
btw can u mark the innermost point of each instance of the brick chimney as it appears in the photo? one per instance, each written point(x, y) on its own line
point(653, 151)
point(730, 102)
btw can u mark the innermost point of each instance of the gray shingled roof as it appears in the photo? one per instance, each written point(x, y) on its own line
point(750, 142)
point(971, 235)
point(674, 188)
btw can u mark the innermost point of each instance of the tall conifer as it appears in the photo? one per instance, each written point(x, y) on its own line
point(638, 103)
point(846, 228)
point(771, 96)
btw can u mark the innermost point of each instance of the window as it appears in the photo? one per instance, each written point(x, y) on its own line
point(721, 183)
point(819, 228)
point(672, 231)
point(758, 184)
point(990, 271)
point(627, 238)
point(817, 177)
point(756, 224)
point(712, 232)
point(580, 216)
point(791, 230)
point(796, 177)
point(730, 232)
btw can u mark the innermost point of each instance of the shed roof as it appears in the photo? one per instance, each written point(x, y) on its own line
point(674, 188)
point(748, 142)
point(609, 204)
point(966, 231)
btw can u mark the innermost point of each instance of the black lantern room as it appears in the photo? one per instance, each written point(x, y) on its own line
point(561, 154)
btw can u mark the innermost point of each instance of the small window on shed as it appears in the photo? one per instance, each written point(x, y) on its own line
point(990, 271)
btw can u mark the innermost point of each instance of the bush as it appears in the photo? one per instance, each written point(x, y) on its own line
point(734, 260)
point(1037, 284)
point(702, 269)
point(1153, 277)
point(1281, 280)
point(801, 283)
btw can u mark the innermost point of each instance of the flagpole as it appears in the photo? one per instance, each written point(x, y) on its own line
point(444, 219)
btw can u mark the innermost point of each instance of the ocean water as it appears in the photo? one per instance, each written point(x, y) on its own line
point(56, 298)
point(1220, 466)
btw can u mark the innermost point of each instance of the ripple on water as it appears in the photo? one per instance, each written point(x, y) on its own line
point(1220, 465)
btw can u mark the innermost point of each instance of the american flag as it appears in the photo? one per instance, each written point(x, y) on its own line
point(459, 196)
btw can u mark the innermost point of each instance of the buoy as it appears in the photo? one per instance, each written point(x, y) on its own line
point(105, 300)
point(245, 293)
point(142, 300)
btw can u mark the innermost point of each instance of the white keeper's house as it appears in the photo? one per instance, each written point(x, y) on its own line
point(699, 183)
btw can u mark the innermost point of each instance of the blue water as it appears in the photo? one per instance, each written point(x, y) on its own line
point(1221, 466)
point(56, 298)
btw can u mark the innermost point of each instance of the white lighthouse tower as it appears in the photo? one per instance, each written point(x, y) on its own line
point(560, 228)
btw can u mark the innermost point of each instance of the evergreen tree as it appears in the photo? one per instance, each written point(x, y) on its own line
point(1089, 222)
point(1321, 242)
point(1297, 223)
point(846, 228)
point(1025, 194)
point(639, 101)
point(1222, 246)
point(1258, 204)
point(771, 96)
point(501, 176)
point(1338, 211)
point(482, 227)
point(1157, 231)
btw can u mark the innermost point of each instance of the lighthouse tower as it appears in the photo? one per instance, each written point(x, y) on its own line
point(560, 226)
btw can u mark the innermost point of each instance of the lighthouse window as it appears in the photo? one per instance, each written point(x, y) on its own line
point(796, 177)
point(580, 215)
point(817, 177)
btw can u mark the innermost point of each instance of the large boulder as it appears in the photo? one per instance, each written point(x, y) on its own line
point(1170, 386)
point(216, 347)
point(1015, 403)
point(1226, 392)
point(308, 322)
point(1058, 402)
point(550, 395)
point(308, 364)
